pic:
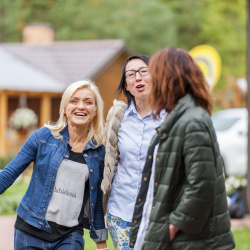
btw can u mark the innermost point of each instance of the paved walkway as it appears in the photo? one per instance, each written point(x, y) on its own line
point(240, 223)
point(7, 232)
point(7, 229)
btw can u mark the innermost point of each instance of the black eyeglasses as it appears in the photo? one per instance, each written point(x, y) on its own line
point(132, 73)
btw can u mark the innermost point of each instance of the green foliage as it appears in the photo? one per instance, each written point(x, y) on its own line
point(9, 204)
point(221, 24)
point(234, 183)
point(146, 26)
point(10, 199)
point(4, 161)
point(128, 20)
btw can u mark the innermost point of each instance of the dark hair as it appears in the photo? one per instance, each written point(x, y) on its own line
point(122, 86)
point(174, 74)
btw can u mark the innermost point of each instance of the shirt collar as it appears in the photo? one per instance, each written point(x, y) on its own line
point(64, 132)
point(131, 109)
point(163, 114)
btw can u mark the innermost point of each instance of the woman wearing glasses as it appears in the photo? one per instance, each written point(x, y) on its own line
point(129, 129)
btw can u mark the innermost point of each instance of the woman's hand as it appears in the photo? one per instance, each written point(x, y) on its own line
point(172, 231)
point(101, 245)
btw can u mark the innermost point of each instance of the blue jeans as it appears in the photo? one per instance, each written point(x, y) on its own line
point(25, 241)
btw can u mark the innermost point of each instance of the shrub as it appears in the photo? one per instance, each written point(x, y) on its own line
point(4, 161)
point(9, 203)
point(11, 198)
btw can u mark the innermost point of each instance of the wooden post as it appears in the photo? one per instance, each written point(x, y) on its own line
point(45, 110)
point(3, 123)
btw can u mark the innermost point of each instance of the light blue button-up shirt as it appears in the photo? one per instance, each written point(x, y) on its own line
point(134, 136)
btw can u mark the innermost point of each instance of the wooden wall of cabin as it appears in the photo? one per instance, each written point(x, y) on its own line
point(109, 80)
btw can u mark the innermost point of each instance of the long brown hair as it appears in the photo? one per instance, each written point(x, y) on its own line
point(175, 74)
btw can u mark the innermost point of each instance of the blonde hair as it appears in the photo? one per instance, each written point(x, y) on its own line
point(96, 127)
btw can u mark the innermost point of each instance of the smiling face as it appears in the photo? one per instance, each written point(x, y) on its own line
point(139, 85)
point(81, 108)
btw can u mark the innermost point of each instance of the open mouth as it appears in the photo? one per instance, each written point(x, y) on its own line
point(139, 86)
point(80, 114)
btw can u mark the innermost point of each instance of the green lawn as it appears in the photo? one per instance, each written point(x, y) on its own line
point(90, 244)
point(11, 198)
point(242, 239)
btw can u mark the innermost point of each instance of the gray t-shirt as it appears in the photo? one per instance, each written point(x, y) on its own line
point(72, 186)
point(67, 198)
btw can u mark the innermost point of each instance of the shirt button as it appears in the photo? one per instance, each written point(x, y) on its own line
point(145, 178)
point(91, 171)
point(92, 188)
point(85, 155)
point(164, 134)
point(67, 156)
point(53, 177)
point(156, 183)
point(158, 129)
point(139, 200)
point(153, 207)
point(157, 158)
point(135, 221)
point(92, 205)
point(150, 157)
point(131, 244)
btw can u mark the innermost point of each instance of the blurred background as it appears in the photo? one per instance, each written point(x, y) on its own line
point(47, 44)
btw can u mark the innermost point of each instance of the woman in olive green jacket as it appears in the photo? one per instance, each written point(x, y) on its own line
point(189, 208)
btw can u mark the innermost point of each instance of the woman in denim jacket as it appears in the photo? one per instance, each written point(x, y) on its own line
point(64, 193)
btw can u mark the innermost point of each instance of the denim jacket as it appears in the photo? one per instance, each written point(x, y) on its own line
point(47, 153)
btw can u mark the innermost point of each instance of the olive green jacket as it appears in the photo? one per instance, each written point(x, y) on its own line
point(189, 189)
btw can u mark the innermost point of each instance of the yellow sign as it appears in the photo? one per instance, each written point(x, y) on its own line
point(209, 61)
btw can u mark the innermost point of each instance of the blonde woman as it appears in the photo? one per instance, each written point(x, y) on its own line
point(64, 193)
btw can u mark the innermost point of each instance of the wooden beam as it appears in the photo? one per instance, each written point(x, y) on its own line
point(45, 110)
point(3, 123)
point(29, 93)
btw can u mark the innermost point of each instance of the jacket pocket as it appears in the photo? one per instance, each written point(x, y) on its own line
point(158, 232)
